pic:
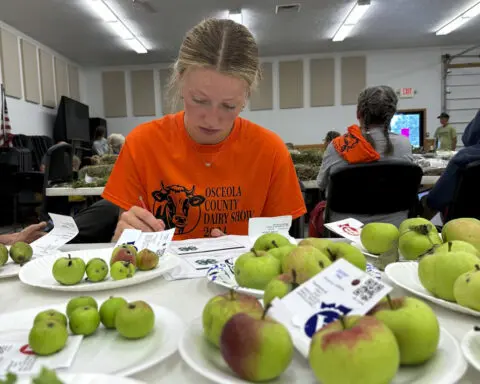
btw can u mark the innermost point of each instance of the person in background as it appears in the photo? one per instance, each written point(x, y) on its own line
point(115, 143)
point(27, 235)
point(445, 135)
point(443, 192)
point(206, 171)
point(290, 146)
point(100, 144)
point(329, 137)
point(370, 142)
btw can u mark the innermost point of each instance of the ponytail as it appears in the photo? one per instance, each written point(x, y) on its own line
point(366, 128)
point(386, 133)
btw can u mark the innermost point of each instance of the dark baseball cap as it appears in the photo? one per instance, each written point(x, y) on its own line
point(444, 115)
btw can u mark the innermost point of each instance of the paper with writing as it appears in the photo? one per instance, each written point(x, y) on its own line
point(157, 242)
point(258, 226)
point(347, 228)
point(339, 290)
point(64, 230)
point(17, 357)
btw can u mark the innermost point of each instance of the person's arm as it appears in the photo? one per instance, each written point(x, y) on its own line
point(124, 187)
point(284, 196)
point(28, 235)
point(328, 160)
point(436, 139)
point(454, 138)
point(443, 192)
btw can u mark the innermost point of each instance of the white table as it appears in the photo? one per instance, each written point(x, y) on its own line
point(62, 191)
point(187, 298)
point(426, 180)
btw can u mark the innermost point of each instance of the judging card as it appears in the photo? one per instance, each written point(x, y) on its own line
point(157, 242)
point(348, 228)
point(340, 289)
point(258, 226)
point(196, 246)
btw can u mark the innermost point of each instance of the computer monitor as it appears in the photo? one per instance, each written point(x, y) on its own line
point(411, 124)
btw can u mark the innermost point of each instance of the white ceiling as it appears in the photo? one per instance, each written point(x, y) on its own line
point(70, 28)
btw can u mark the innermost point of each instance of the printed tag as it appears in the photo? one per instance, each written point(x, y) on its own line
point(258, 226)
point(129, 236)
point(157, 242)
point(349, 229)
point(190, 247)
point(64, 230)
point(17, 357)
point(340, 289)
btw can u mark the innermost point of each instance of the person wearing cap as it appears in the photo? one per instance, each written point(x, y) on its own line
point(445, 135)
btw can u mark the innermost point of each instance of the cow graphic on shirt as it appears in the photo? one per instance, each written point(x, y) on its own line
point(178, 207)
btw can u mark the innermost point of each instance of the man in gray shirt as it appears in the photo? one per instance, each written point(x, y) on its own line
point(372, 141)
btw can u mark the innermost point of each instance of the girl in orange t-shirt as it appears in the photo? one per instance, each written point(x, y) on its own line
point(205, 170)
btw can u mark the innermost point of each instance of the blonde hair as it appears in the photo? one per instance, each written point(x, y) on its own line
point(115, 143)
point(220, 44)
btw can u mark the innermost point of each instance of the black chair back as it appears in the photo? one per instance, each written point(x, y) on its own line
point(297, 230)
point(376, 188)
point(465, 201)
point(58, 164)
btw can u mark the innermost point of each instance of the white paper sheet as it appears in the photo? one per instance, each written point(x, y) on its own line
point(258, 226)
point(64, 230)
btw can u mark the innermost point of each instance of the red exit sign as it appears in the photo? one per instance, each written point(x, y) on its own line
point(406, 92)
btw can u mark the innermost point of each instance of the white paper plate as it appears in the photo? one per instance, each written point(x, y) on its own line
point(223, 274)
point(38, 272)
point(447, 366)
point(471, 348)
point(87, 379)
point(107, 352)
point(405, 275)
point(362, 249)
point(10, 269)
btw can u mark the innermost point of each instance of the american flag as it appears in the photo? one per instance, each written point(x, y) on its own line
point(6, 136)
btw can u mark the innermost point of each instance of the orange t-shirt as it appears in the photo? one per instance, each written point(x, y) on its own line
point(196, 187)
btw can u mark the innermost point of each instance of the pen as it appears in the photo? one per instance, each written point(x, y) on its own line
point(142, 203)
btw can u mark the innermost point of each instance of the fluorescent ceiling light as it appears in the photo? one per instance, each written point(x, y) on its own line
point(236, 16)
point(460, 20)
point(136, 46)
point(352, 19)
point(121, 30)
point(343, 32)
point(102, 10)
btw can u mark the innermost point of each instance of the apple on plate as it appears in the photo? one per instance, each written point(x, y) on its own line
point(417, 237)
point(280, 287)
point(282, 251)
point(124, 252)
point(47, 337)
point(21, 252)
point(255, 269)
point(466, 289)
point(320, 244)
point(348, 252)
point(439, 271)
point(307, 261)
point(221, 308)
point(135, 320)
point(414, 325)
point(68, 270)
point(256, 347)
point(378, 238)
point(51, 314)
point(3, 255)
point(268, 241)
point(108, 310)
point(458, 245)
point(465, 229)
point(354, 350)
point(147, 260)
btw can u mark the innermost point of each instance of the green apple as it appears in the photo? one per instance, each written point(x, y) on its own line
point(264, 355)
point(84, 321)
point(21, 252)
point(348, 252)
point(221, 308)
point(458, 245)
point(97, 270)
point(307, 261)
point(124, 252)
point(255, 269)
point(80, 301)
point(354, 349)
point(147, 260)
point(108, 311)
point(465, 229)
point(135, 320)
point(3, 255)
point(269, 241)
point(414, 325)
point(417, 237)
point(466, 289)
point(46, 376)
point(378, 238)
point(68, 270)
point(280, 287)
point(47, 337)
point(281, 252)
point(122, 270)
point(320, 244)
point(51, 314)
point(439, 271)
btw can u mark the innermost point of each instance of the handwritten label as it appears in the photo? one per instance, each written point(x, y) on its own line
point(349, 229)
point(340, 289)
point(157, 242)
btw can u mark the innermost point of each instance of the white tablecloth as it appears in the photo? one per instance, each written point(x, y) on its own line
point(187, 298)
point(62, 191)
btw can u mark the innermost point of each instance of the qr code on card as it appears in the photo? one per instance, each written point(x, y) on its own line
point(369, 289)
